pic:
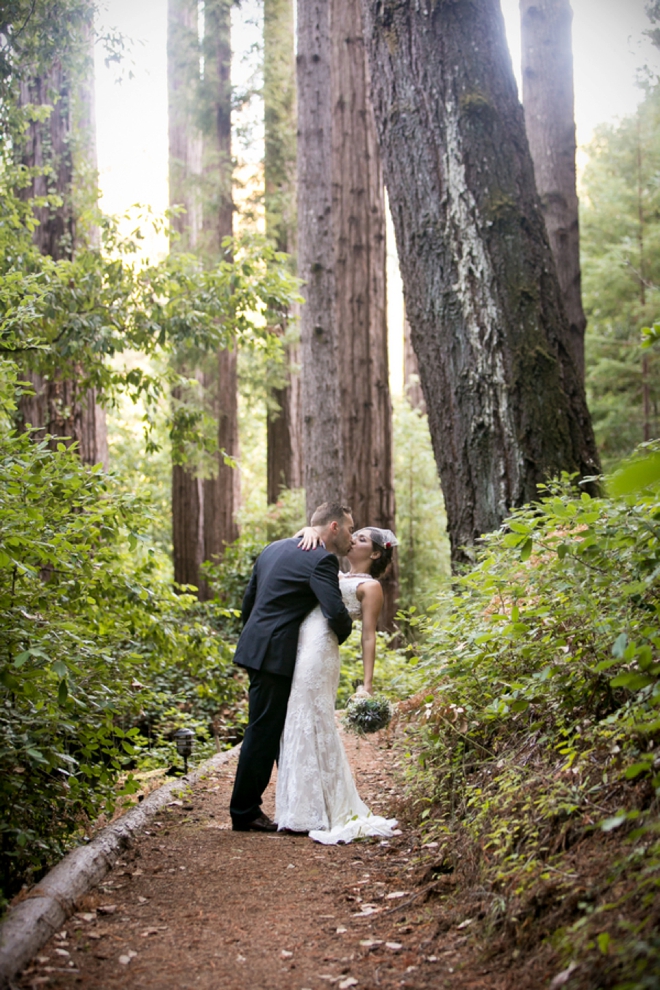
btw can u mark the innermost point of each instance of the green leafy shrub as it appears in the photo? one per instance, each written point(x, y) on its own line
point(541, 721)
point(94, 646)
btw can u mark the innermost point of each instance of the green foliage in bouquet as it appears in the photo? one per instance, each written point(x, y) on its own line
point(367, 714)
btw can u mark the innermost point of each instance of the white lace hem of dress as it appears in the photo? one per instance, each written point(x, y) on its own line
point(359, 827)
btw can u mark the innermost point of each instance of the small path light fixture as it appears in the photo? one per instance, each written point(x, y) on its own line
point(184, 744)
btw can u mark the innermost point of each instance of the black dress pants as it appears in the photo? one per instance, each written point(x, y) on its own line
point(268, 699)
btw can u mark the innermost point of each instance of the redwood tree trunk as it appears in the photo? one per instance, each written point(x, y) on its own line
point(66, 142)
point(284, 426)
point(411, 379)
point(505, 400)
point(358, 223)
point(185, 162)
point(221, 492)
point(322, 424)
point(547, 70)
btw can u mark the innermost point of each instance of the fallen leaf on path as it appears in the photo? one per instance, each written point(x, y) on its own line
point(464, 924)
point(396, 893)
point(563, 977)
point(349, 982)
point(125, 959)
point(62, 952)
point(142, 900)
point(394, 946)
point(94, 935)
point(285, 954)
point(86, 916)
point(106, 908)
point(368, 943)
point(341, 931)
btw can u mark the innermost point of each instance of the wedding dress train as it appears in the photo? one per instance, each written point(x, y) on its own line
point(316, 792)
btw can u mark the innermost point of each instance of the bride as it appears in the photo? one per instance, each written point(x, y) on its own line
point(315, 788)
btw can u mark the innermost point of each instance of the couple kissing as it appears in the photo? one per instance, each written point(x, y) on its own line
point(297, 609)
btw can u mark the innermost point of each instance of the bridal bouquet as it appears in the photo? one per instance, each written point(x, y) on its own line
point(368, 713)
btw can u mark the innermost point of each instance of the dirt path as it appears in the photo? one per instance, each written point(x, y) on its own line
point(195, 905)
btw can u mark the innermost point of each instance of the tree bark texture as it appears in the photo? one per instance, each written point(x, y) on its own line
point(185, 169)
point(547, 71)
point(322, 424)
point(284, 461)
point(358, 224)
point(222, 491)
point(66, 143)
point(505, 400)
point(284, 425)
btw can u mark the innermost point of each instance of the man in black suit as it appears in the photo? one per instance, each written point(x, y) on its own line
point(286, 584)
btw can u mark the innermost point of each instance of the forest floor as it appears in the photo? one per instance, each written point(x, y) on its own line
point(195, 905)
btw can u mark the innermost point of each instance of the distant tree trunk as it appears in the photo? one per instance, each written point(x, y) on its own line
point(358, 223)
point(505, 401)
point(547, 71)
point(284, 427)
point(411, 379)
point(185, 163)
point(66, 142)
point(222, 492)
point(322, 423)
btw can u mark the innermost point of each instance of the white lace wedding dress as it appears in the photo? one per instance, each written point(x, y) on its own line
point(315, 788)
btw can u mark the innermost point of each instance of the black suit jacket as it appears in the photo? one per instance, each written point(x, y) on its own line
point(286, 584)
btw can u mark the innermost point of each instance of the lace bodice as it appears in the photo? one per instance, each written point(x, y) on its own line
point(349, 584)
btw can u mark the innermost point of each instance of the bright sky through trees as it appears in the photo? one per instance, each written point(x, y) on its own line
point(609, 49)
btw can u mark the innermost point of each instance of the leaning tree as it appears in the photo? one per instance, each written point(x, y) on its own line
point(505, 399)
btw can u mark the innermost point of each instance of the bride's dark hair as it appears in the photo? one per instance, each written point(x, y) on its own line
point(378, 566)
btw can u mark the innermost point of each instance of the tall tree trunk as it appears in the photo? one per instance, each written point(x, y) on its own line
point(221, 492)
point(358, 223)
point(411, 379)
point(284, 426)
point(322, 424)
point(547, 71)
point(505, 400)
point(185, 163)
point(65, 141)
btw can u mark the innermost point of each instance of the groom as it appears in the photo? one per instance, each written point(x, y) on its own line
point(286, 584)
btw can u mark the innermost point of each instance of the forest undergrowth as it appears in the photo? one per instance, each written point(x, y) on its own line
point(533, 752)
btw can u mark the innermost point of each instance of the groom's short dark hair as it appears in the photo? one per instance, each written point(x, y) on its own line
point(329, 512)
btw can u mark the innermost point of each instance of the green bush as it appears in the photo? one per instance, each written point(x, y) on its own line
point(94, 646)
point(541, 718)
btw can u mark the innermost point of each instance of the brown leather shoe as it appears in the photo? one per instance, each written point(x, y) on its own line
point(261, 823)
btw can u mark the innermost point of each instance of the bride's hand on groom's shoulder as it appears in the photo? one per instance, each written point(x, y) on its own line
point(309, 538)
